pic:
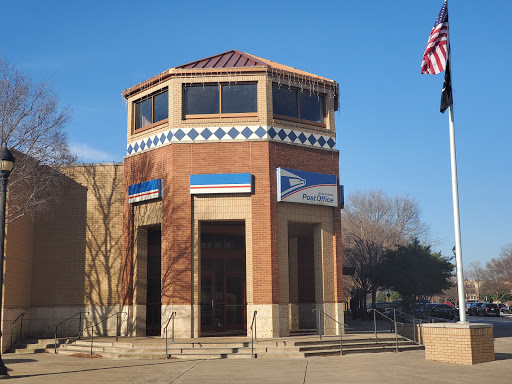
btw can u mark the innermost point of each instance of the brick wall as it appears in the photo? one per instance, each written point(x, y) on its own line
point(71, 254)
point(175, 163)
point(18, 262)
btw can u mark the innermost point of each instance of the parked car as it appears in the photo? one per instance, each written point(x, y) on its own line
point(473, 310)
point(489, 309)
point(503, 308)
point(441, 311)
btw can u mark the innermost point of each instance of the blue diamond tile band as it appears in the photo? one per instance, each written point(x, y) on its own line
point(236, 134)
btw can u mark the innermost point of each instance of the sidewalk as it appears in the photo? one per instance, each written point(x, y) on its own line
point(403, 367)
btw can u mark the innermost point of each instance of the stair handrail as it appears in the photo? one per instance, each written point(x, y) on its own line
point(414, 321)
point(22, 315)
point(321, 312)
point(254, 335)
point(173, 315)
point(62, 322)
point(101, 321)
point(375, 311)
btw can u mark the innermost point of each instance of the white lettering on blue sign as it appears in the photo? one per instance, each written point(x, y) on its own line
point(147, 190)
point(307, 187)
point(221, 183)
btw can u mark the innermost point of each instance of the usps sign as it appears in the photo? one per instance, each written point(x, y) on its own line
point(221, 183)
point(307, 187)
point(148, 190)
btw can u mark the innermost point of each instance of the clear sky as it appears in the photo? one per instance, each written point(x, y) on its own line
point(390, 133)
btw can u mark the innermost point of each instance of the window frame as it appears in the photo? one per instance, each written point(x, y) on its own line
point(154, 123)
point(219, 115)
point(298, 119)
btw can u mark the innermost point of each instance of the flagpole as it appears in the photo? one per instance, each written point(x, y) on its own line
point(455, 198)
point(456, 221)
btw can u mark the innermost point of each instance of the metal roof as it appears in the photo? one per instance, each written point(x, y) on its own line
point(224, 61)
point(229, 59)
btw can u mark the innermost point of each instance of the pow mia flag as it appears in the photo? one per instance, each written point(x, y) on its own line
point(446, 94)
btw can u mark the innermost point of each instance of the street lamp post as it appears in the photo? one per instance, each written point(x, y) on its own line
point(6, 166)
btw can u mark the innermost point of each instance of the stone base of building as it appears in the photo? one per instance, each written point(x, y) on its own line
point(459, 343)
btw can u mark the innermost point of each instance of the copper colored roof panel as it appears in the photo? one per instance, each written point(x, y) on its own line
point(229, 59)
point(239, 59)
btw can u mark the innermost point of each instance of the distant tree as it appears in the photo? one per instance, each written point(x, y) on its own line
point(414, 271)
point(494, 282)
point(372, 223)
point(476, 274)
point(32, 127)
point(501, 267)
point(393, 296)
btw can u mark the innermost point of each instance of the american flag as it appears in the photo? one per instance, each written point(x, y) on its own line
point(436, 53)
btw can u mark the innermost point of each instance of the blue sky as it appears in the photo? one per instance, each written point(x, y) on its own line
point(390, 133)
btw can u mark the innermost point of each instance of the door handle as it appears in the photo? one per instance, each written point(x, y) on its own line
point(212, 303)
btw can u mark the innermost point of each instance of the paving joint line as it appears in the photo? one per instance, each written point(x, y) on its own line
point(192, 367)
point(305, 371)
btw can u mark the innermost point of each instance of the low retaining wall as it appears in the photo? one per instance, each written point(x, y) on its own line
point(410, 331)
point(459, 343)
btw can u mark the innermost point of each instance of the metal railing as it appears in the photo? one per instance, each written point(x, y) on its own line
point(253, 332)
point(101, 321)
point(62, 322)
point(415, 321)
point(394, 322)
point(320, 312)
point(21, 315)
point(173, 315)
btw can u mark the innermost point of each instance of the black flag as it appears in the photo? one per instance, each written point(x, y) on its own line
point(446, 94)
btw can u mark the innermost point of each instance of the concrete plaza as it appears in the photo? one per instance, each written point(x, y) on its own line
point(403, 367)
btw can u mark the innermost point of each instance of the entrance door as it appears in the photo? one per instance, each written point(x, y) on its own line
point(223, 293)
point(154, 283)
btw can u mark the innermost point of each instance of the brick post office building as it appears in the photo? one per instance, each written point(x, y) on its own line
point(234, 199)
point(227, 204)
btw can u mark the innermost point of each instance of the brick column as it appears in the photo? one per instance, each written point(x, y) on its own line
point(467, 344)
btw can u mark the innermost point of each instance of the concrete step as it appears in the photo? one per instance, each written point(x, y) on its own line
point(366, 349)
point(212, 355)
point(38, 345)
point(95, 343)
point(155, 348)
point(81, 348)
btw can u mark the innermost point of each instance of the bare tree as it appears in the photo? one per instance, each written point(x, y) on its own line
point(502, 266)
point(373, 222)
point(32, 126)
point(498, 275)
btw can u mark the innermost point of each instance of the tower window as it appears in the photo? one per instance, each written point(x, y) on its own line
point(292, 104)
point(152, 110)
point(219, 100)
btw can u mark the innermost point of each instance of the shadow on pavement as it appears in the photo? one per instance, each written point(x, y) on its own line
point(14, 361)
point(503, 356)
point(173, 361)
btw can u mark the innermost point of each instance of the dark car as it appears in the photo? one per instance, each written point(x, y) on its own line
point(489, 309)
point(441, 311)
point(503, 308)
point(473, 310)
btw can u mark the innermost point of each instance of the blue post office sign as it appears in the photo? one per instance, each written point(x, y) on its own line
point(221, 183)
point(147, 190)
point(307, 187)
